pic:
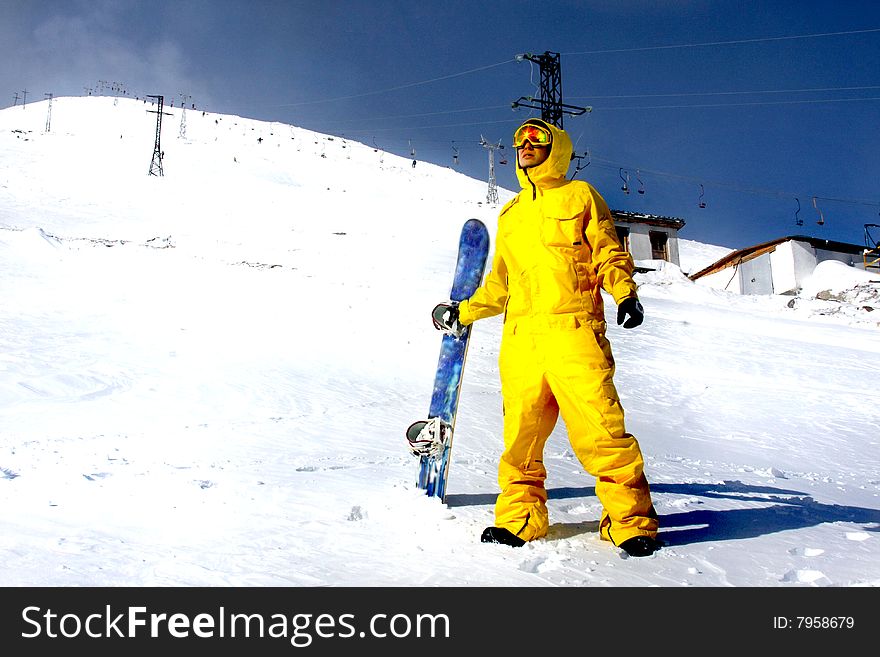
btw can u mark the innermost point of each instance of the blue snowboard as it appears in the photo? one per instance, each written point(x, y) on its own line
point(473, 249)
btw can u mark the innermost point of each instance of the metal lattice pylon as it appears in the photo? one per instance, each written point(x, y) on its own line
point(550, 103)
point(183, 102)
point(49, 114)
point(492, 194)
point(156, 168)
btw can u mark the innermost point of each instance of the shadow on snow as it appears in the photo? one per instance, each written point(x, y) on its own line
point(781, 510)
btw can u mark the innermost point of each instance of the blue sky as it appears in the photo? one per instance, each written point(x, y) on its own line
point(754, 108)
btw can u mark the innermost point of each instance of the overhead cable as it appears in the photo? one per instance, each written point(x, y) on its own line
point(721, 43)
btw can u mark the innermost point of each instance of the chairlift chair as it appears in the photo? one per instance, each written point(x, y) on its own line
point(821, 219)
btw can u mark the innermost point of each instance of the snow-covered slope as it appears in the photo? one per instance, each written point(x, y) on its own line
point(206, 378)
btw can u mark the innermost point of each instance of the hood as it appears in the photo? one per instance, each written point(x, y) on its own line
point(552, 171)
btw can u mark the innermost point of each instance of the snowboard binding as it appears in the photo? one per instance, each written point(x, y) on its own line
point(428, 437)
point(445, 318)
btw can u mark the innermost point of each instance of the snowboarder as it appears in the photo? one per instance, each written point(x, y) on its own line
point(556, 248)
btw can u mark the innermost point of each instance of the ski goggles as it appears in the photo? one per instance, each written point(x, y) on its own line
point(536, 135)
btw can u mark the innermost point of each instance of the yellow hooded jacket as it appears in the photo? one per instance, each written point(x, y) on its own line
point(556, 246)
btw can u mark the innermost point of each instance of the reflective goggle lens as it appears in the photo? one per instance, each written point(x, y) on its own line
point(535, 134)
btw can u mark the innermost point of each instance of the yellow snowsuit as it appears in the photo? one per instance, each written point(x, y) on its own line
point(556, 246)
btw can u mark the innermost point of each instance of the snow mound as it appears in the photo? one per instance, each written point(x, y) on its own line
point(831, 278)
point(835, 289)
point(664, 273)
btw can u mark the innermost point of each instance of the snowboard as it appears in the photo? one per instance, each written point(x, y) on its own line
point(431, 439)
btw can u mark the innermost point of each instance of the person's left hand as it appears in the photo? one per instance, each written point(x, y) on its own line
point(632, 307)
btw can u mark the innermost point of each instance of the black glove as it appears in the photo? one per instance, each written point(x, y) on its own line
point(445, 316)
point(630, 306)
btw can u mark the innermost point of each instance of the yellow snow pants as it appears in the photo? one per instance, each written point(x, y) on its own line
point(566, 367)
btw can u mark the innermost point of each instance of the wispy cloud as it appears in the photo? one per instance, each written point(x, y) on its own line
point(65, 49)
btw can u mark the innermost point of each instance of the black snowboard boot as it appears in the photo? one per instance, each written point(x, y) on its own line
point(500, 535)
point(640, 546)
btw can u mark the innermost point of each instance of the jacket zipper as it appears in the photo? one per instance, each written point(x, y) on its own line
point(534, 189)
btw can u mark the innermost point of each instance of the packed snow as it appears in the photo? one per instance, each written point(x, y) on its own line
point(206, 378)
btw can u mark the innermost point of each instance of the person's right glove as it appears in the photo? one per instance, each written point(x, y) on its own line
point(630, 306)
point(445, 317)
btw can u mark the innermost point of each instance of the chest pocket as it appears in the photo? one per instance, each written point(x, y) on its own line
point(563, 222)
point(563, 218)
point(564, 230)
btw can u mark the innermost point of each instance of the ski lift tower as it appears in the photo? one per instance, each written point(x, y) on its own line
point(156, 163)
point(492, 195)
point(550, 103)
